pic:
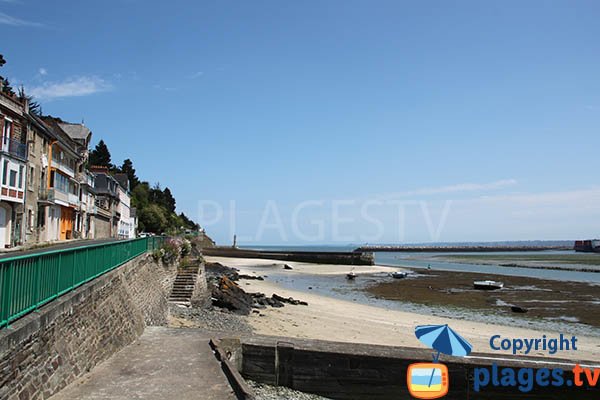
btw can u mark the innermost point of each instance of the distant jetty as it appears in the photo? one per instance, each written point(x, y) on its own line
point(321, 257)
point(456, 249)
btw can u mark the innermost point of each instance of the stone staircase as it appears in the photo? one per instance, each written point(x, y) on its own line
point(184, 284)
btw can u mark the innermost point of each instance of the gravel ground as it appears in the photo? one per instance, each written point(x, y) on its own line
point(212, 319)
point(268, 392)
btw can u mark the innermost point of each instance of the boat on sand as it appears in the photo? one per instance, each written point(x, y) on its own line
point(488, 285)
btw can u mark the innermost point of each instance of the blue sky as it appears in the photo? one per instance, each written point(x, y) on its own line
point(484, 114)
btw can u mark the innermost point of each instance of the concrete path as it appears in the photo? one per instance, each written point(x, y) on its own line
point(7, 253)
point(164, 363)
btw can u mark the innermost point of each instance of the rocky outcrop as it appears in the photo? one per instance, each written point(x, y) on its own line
point(227, 294)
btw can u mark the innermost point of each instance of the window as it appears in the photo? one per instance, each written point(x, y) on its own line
point(41, 219)
point(30, 222)
point(21, 170)
point(5, 172)
point(43, 180)
point(6, 133)
point(31, 177)
point(7, 130)
point(61, 183)
point(13, 178)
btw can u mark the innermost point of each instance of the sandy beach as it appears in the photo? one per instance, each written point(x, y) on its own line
point(334, 319)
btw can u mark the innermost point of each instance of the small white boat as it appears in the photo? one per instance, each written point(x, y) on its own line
point(488, 285)
point(399, 274)
point(350, 275)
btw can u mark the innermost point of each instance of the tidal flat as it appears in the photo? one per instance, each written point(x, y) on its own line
point(548, 300)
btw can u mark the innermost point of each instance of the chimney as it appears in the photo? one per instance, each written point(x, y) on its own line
point(25, 104)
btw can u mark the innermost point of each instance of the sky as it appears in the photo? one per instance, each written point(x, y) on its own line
point(289, 122)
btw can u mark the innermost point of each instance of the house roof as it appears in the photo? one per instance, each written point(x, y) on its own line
point(75, 131)
point(123, 180)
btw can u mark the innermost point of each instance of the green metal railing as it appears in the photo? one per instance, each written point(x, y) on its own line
point(30, 281)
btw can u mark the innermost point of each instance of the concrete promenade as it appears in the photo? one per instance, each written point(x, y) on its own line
point(69, 244)
point(164, 363)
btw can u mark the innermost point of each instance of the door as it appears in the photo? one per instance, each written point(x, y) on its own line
point(66, 223)
point(2, 227)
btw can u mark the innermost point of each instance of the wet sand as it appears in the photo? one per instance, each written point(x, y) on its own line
point(548, 299)
point(334, 319)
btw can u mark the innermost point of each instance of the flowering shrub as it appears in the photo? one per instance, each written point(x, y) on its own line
point(186, 247)
point(158, 254)
point(172, 250)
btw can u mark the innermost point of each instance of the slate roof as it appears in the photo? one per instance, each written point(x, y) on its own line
point(75, 131)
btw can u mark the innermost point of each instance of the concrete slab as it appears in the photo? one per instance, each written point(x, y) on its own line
point(164, 363)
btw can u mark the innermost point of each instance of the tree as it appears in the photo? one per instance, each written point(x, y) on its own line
point(168, 200)
point(140, 196)
point(34, 107)
point(6, 88)
point(100, 156)
point(188, 223)
point(154, 218)
point(127, 168)
point(156, 194)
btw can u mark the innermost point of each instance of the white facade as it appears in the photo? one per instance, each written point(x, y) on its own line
point(126, 222)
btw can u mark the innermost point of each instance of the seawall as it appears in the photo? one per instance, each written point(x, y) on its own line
point(455, 249)
point(320, 257)
point(46, 350)
point(353, 371)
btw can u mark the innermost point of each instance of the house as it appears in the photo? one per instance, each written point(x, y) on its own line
point(13, 158)
point(60, 193)
point(84, 218)
point(39, 136)
point(62, 190)
point(126, 221)
point(108, 213)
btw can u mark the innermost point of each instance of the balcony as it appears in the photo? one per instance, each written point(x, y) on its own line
point(53, 195)
point(63, 167)
point(13, 147)
point(73, 199)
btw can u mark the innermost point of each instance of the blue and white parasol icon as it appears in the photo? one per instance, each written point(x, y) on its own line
point(443, 339)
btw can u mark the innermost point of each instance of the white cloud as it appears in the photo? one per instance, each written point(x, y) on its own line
point(6, 19)
point(461, 187)
point(197, 75)
point(43, 71)
point(73, 87)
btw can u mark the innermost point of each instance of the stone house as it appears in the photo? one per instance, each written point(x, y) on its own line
point(36, 202)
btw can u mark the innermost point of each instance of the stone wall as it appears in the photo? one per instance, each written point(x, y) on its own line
point(320, 257)
point(201, 295)
point(356, 371)
point(102, 227)
point(44, 351)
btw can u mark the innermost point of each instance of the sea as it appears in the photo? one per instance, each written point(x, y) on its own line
point(353, 290)
point(435, 261)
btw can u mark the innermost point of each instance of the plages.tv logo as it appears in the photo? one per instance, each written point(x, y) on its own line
point(431, 380)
